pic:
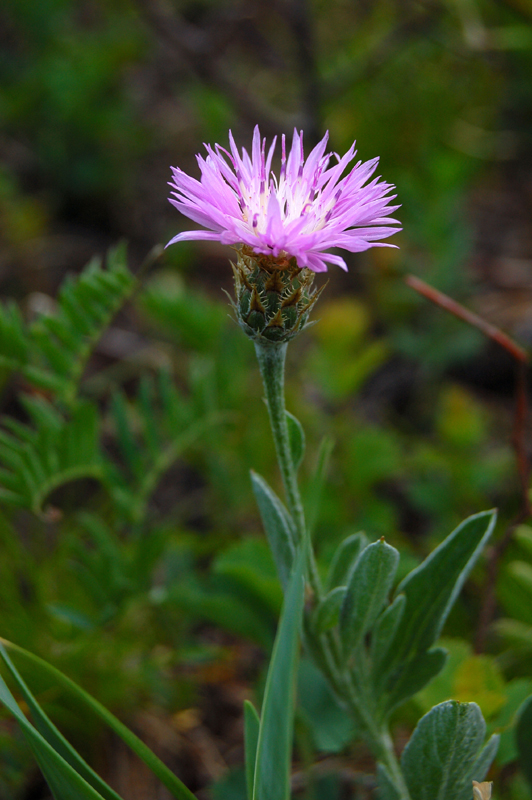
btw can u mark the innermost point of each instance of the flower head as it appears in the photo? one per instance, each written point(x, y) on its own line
point(311, 207)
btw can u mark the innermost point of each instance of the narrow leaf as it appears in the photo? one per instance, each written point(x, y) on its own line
point(296, 437)
point(278, 526)
point(315, 488)
point(344, 559)
point(327, 614)
point(385, 787)
point(274, 748)
point(384, 631)
point(176, 788)
point(53, 736)
point(413, 676)
point(63, 780)
point(485, 759)
point(251, 738)
point(432, 588)
point(369, 585)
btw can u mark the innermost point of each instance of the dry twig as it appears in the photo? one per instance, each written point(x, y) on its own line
point(520, 357)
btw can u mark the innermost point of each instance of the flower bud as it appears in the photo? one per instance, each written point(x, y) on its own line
point(274, 297)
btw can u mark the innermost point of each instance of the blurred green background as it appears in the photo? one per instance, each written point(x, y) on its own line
point(165, 609)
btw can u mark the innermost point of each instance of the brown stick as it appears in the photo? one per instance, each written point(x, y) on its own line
point(518, 440)
point(446, 302)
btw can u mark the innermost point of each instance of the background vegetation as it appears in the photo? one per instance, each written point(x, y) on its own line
point(132, 553)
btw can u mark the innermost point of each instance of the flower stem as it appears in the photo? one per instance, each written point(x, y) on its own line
point(271, 358)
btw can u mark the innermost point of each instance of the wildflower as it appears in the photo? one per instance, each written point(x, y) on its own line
point(309, 209)
point(283, 227)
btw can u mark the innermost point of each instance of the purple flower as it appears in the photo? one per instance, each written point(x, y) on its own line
point(302, 214)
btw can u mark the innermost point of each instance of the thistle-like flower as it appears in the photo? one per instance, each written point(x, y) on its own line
point(302, 214)
point(286, 224)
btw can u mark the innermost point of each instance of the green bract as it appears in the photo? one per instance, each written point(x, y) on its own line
point(274, 297)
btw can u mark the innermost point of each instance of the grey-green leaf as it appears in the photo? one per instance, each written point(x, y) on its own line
point(278, 526)
point(314, 490)
point(385, 787)
point(442, 757)
point(384, 631)
point(368, 589)
point(485, 759)
point(274, 748)
point(432, 588)
point(327, 614)
point(412, 677)
point(251, 738)
point(344, 559)
point(296, 437)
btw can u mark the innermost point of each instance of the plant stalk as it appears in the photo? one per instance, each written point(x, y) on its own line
point(271, 357)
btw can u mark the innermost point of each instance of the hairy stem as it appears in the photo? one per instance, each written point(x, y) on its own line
point(271, 357)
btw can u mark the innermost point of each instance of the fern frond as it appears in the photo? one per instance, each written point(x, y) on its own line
point(52, 450)
point(14, 345)
point(152, 431)
point(86, 305)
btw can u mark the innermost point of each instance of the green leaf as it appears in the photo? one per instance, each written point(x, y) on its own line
point(485, 759)
point(445, 752)
point(53, 736)
point(86, 305)
point(278, 526)
point(176, 788)
point(14, 344)
point(296, 437)
point(384, 631)
point(152, 431)
point(523, 735)
point(330, 728)
point(430, 591)
point(344, 559)
point(55, 450)
point(327, 613)
point(274, 748)
point(414, 676)
point(369, 585)
point(432, 588)
point(315, 487)
point(63, 780)
point(251, 738)
point(386, 789)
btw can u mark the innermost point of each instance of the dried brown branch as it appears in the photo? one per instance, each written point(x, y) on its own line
point(489, 330)
point(518, 440)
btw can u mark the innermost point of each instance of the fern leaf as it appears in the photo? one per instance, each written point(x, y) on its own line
point(14, 344)
point(53, 450)
point(52, 353)
point(152, 432)
point(85, 307)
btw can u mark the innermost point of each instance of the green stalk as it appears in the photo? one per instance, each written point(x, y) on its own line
point(384, 750)
point(271, 357)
